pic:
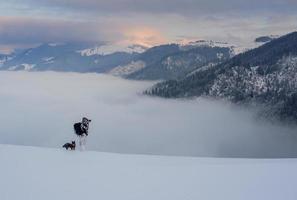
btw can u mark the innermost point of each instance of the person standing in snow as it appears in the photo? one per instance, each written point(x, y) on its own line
point(81, 129)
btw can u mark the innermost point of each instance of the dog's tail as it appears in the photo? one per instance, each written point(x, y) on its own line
point(64, 146)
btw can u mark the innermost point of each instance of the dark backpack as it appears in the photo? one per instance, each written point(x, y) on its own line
point(77, 129)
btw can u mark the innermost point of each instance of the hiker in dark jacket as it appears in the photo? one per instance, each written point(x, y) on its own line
point(81, 130)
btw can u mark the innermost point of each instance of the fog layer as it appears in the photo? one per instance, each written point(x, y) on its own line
point(39, 109)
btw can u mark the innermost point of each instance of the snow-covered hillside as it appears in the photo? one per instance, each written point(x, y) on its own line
point(40, 173)
point(112, 48)
point(235, 49)
point(68, 57)
point(265, 76)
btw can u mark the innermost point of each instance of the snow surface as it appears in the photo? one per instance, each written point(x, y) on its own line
point(48, 60)
point(234, 48)
point(206, 43)
point(55, 44)
point(40, 173)
point(112, 48)
point(28, 67)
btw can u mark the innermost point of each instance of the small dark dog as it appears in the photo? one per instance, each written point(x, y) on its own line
point(70, 145)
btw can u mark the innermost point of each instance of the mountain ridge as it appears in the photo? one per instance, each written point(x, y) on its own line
point(266, 76)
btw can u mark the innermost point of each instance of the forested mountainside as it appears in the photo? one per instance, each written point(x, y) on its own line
point(266, 75)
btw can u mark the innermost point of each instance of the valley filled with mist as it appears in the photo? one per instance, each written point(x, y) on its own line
point(39, 109)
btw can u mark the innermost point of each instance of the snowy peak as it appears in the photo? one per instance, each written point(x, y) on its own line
point(55, 44)
point(209, 43)
point(112, 48)
point(235, 49)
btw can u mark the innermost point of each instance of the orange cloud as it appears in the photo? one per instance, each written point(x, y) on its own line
point(145, 36)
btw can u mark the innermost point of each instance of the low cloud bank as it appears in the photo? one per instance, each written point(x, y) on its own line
point(39, 109)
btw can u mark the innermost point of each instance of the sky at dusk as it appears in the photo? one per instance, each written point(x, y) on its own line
point(27, 23)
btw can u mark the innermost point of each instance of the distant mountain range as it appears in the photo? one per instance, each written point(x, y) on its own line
point(164, 62)
point(265, 76)
point(67, 57)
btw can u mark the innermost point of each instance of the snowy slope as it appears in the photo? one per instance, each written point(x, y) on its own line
point(235, 49)
point(65, 57)
point(39, 173)
point(112, 48)
point(265, 76)
point(210, 43)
